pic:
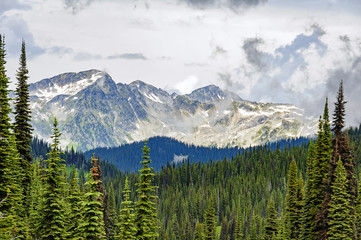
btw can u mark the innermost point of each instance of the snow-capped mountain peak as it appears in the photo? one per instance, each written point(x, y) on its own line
point(64, 84)
point(93, 111)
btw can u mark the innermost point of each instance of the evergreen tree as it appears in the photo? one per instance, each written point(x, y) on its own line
point(52, 225)
point(22, 126)
point(76, 211)
point(292, 211)
point(224, 233)
point(340, 148)
point(271, 220)
point(93, 226)
point(198, 232)
point(145, 213)
point(210, 221)
point(341, 222)
point(300, 204)
point(35, 201)
point(309, 210)
point(111, 214)
point(127, 229)
point(322, 173)
point(10, 174)
point(238, 232)
point(282, 231)
point(358, 210)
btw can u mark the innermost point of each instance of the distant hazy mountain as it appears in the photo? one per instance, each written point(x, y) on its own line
point(94, 111)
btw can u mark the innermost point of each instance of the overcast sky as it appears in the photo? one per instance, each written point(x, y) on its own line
point(264, 50)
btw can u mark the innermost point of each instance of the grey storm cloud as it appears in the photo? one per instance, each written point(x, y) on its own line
point(234, 4)
point(218, 51)
point(287, 59)
point(15, 30)
point(228, 83)
point(254, 55)
point(352, 88)
point(76, 5)
point(129, 56)
point(84, 56)
point(6, 5)
point(57, 50)
point(196, 64)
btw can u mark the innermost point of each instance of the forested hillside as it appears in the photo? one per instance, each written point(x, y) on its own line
point(168, 151)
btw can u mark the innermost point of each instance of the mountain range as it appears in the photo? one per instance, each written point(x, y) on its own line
point(95, 111)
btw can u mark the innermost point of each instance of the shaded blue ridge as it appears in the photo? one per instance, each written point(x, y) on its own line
point(164, 150)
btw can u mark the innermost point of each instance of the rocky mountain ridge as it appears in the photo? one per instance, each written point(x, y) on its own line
point(94, 111)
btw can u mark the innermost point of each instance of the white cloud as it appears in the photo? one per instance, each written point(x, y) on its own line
point(187, 85)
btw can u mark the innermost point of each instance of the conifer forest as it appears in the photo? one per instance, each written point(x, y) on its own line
point(301, 191)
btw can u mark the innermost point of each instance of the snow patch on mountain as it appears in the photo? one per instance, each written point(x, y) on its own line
point(93, 111)
point(71, 88)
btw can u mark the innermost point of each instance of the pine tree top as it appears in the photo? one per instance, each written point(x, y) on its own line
point(339, 113)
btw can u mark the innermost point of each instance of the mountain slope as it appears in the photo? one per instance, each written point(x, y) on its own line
point(94, 111)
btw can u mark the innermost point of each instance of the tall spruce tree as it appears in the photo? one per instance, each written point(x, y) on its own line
point(294, 202)
point(358, 209)
point(10, 176)
point(52, 225)
point(292, 210)
point(92, 227)
point(210, 221)
point(238, 231)
point(340, 148)
point(35, 201)
point(198, 232)
point(309, 210)
point(74, 200)
point(341, 221)
point(271, 220)
point(126, 228)
point(111, 215)
point(145, 213)
point(321, 172)
point(22, 126)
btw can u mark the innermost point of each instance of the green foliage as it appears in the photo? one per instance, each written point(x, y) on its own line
point(210, 221)
point(22, 126)
point(309, 210)
point(358, 211)
point(110, 212)
point(127, 229)
point(238, 232)
point(75, 215)
point(145, 210)
point(271, 220)
point(283, 232)
point(92, 227)
point(198, 232)
point(35, 200)
point(341, 221)
point(10, 172)
point(52, 225)
point(294, 199)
